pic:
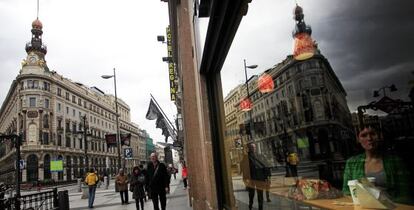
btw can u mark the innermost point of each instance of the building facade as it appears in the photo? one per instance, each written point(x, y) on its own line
point(306, 112)
point(150, 148)
point(52, 113)
point(233, 135)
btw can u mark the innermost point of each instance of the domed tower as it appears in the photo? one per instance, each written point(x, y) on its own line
point(35, 61)
point(304, 46)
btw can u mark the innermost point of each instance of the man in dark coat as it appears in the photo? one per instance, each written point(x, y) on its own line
point(158, 181)
point(256, 175)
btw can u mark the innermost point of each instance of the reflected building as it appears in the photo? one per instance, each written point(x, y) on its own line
point(307, 111)
point(47, 110)
point(232, 132)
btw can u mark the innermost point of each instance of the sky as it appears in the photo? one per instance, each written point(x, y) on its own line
point(368, 43)
point(87, 39)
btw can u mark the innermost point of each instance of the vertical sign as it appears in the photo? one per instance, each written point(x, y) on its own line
point(171, 70)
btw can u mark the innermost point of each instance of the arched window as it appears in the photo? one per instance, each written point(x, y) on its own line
point(32, 168)
point(33, 135)
point(46, 167)
point(59, 140)
point(81, 166)
point(75, 167)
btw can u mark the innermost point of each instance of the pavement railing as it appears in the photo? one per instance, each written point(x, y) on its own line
point(46, 200)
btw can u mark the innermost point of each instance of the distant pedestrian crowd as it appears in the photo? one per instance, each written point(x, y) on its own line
point(150, 183)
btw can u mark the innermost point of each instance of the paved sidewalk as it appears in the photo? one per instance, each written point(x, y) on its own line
point(109, 199)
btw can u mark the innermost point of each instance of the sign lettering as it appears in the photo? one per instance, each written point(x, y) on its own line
point(171, 66)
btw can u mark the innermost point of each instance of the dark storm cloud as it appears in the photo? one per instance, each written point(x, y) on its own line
point(369, 44)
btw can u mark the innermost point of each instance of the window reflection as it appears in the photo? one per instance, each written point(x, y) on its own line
point(307, 127)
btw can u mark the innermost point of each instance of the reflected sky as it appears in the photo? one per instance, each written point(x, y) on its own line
point(368, 43)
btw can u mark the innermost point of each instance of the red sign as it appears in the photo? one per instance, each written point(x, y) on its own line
point(246, 104)
point(111, 140)
point(304, 47)
point(266, 83)
point(126, 139)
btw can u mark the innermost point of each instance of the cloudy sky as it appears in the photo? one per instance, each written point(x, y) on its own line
point(369, 44)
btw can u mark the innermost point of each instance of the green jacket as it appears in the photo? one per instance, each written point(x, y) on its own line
point(396, 176)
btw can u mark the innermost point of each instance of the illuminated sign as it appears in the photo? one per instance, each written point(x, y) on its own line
point(304, 47)
point(171, 66)
point(56, 165)
point(265, 83)
point(246, 105)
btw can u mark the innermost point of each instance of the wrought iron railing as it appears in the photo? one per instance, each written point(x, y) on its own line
point(35, 201)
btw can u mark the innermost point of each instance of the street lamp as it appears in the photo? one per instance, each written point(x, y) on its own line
point(391, 87)
point(248, 96)
point(84, 134)
point(118, 141)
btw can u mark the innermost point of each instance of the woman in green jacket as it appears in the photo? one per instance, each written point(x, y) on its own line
point(389, 171)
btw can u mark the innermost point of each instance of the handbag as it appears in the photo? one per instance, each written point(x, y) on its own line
point(131, 188)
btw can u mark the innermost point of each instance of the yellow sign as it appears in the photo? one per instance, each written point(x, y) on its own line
point(171, 66)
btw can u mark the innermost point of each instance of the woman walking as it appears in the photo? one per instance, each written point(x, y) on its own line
point(184, 174)
point(121, 181)
point(137, 187)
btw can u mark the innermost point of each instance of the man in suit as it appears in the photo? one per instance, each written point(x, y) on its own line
point(158, 181)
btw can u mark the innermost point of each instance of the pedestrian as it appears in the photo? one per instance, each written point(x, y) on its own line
point(121, 181)
point(91, 180)
point(137, 187)
point(170, 170)
point(144, 171)
point(158, 182)
point(293, 161)
point(268, 172)
point(175, 172)
point(184, 174)
point(256, 175)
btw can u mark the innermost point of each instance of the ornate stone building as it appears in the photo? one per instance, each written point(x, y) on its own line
point(48, 111)
point(307, 111)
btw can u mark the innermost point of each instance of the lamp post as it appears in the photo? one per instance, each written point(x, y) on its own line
point(248, 96)
point(391, 87)
point(118, 140)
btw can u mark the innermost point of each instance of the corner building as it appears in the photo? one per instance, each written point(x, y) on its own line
point(47, 110)
point(306, 112)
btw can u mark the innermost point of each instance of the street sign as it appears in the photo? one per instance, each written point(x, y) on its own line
point(22, 164)
point(128, 153)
